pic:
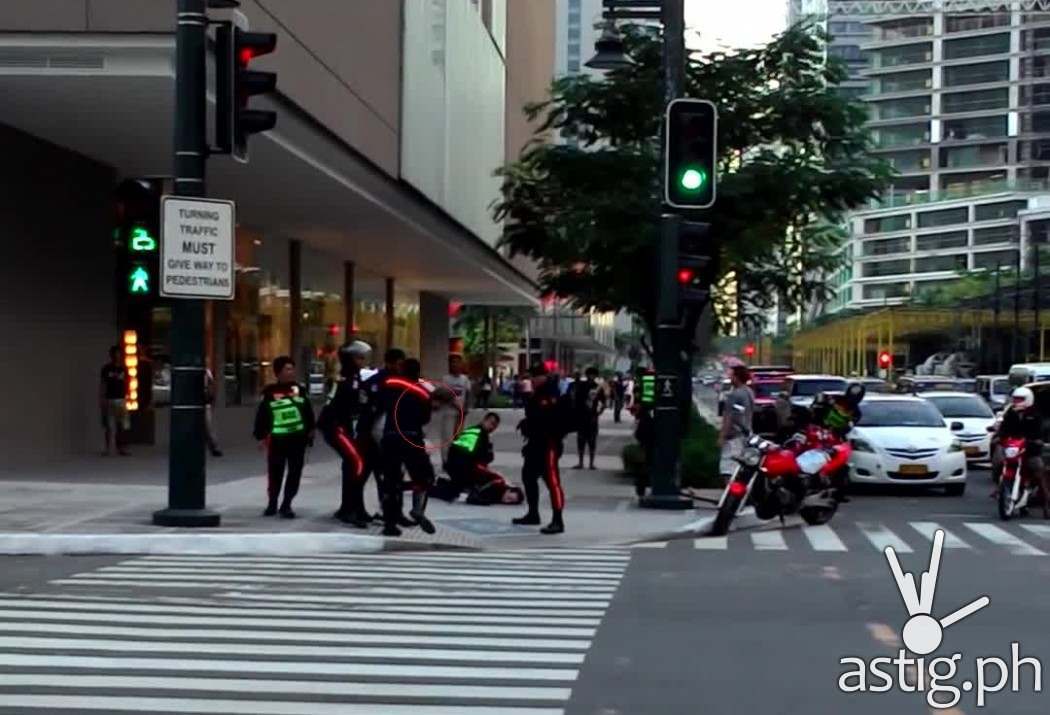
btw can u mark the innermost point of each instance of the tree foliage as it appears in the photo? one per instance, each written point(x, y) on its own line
point(793, 157)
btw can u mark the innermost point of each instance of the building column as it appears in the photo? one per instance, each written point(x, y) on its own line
point(434, 335)
point(295, 302)
point(389, 313)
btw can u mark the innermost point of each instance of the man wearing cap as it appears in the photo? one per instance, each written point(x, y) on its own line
point(547, 416)
point(338, 423)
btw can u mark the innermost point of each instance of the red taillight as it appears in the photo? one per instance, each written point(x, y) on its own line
point(737, 489)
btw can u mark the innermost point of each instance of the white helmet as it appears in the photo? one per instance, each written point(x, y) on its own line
point(1022, 398)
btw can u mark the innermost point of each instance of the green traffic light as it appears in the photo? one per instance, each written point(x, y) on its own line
point(693, 179)
point(138, 280)
point(142, 241)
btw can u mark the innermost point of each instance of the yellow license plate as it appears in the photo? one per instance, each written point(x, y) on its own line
point(914, 469)
point(972, 451)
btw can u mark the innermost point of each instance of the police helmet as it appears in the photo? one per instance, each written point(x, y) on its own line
point(855, 393)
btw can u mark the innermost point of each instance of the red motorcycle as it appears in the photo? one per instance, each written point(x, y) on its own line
point(778, 481)
point(1015, 484)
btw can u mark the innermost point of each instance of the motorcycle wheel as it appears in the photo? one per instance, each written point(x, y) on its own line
point(725, 515)
point(1005, 508)
point(816, 516)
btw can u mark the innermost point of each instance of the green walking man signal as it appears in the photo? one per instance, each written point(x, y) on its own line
point(138, 280)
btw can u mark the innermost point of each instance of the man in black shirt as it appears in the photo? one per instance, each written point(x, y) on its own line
point(1022, 420)
point(112, 392)
point(544, 427)
point(589, 403)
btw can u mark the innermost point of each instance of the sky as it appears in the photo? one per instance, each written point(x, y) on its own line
point(733, 23)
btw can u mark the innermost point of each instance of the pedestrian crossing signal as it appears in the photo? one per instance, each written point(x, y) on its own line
point(139, 280)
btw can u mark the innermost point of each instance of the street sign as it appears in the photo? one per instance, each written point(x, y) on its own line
point(666, 388)
point(197, 238)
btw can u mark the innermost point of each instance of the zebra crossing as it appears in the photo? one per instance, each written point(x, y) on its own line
point(1014, 539)
point(416, 634)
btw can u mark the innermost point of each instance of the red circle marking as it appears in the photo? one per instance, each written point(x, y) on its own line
point(455, 433)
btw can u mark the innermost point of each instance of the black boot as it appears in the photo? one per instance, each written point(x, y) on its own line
point(419, 507)
point(271, 509)
point(532, 518)
point(557, 526)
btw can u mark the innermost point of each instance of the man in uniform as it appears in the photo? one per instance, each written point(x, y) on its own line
point(370, 427)
point(547, 421)
point(338, 424)
point(284, 426)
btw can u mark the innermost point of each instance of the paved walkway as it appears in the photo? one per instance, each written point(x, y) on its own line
point(61, 512)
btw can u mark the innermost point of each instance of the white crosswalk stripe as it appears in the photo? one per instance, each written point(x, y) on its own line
point(827, 538)
point(421, 634)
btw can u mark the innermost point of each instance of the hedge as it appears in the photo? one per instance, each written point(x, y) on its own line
point(699, 461)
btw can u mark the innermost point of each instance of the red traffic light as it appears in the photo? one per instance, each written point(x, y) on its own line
point(885, 359)
point(686, 275)
point(749, 350)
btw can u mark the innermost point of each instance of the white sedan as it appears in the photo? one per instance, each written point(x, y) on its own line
point(973, 414)
point(901, 439)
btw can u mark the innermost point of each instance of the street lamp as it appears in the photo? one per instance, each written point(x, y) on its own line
point(609, 50)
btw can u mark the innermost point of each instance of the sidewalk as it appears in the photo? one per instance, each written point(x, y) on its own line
point(61, 512)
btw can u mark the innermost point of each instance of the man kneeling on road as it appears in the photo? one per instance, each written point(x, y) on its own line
point(468, 458)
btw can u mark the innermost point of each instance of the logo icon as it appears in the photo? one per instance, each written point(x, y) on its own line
point(923, 633)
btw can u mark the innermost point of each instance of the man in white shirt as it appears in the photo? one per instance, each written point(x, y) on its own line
point(452, 413)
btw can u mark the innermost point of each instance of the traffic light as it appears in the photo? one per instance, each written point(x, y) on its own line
point(691, 153)
point(137, 236)
point(885, 360)
point(749, 350)
point(130, 342)
point(694, 263)
point(236, 84)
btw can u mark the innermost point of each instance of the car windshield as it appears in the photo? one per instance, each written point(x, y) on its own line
point(809, 388)
point(892, 413)
point(767, 389)
point(1001, 387)
point(962, 406)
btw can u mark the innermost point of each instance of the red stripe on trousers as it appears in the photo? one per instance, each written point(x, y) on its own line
point(554, 480)
point(350, 450)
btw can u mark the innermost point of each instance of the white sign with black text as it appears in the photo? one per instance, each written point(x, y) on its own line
point(197, 248)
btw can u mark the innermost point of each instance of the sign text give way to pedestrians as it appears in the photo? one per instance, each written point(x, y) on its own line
point(196, 248)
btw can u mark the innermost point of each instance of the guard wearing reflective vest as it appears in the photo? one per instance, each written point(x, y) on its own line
point(468, 458)
point(284, 425)
point(338, 424)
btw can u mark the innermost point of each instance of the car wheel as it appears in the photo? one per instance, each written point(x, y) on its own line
point(955, 490)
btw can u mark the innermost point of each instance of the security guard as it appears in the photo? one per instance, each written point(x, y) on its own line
point(284, 425)
point(548, 418)
point(338, 424)
point(468, 458)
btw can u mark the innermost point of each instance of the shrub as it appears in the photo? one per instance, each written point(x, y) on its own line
point(699, 457)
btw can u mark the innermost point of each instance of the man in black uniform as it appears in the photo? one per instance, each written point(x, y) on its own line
point(370, 427)
point(547, 421)
point(284, 425)
point(589, 403)
point(338, 424)
point(406, 406)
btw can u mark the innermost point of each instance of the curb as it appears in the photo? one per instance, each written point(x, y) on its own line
point(285, 544)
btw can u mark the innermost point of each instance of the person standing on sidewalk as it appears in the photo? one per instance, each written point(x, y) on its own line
point(547, 420)
point(338, 424)
point(112, 391)
point(736, 419)
point(484, 392)
point(588, 403)
point(284, 426)
point(452, 408)
point(370, 425)
point(209, 414)
point(619, 396)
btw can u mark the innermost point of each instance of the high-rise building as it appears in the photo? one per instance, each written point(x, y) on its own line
point(576, 31)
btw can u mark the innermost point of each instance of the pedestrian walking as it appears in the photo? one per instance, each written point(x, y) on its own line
point(284, 426)
point(589, 403)
point(452, 408)
point(619, 396)
point(548, 419)
point(209, 414)
point(112, 392)
point(484, 392)
point(736, 419)
point(338, 424)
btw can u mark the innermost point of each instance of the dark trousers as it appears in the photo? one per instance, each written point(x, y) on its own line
point(398, 454)
point(354, 471)
point(587, 438)
point(541, 462)
point(617, 409)
point(281, 452)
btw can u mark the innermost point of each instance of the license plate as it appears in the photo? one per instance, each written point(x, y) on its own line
point(972, 451)
point(913, 469)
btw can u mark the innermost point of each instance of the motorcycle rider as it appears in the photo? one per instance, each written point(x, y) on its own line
point(338, 425)
point(547, 420)
point(1022, 421)
point(837, 416)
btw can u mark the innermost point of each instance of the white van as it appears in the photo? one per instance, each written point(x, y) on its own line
point(1026, 372)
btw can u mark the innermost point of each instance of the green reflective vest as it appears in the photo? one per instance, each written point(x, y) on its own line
point(468, 439)
point(287, 416)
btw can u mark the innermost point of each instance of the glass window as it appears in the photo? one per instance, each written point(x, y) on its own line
point(961, 406)
point(885, 290)
point(977, 74)
point(966, 157)
point(976, 46)
point(886, 246)
point(897, 108)
point(933, 264)
point(574, 65)
point(906, 55)
point(975, 128)
point(904, 28)
point(885, 268)
point(936, 241)
point(973, 183)
point(944, 218)
point(903, 82)
point(323, 319)
point(975, 101)
point(899, 413)
point(908, 135)
point(1035, 94)
point(1003, 209)
point(968, 23)
point(885, 224)
point(995, 234)
point(853, 28)
point(809, 388)
point(846, 52)
point(1006, 260)
point(909, 161)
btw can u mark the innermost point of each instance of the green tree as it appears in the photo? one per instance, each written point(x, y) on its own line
point(793, 157)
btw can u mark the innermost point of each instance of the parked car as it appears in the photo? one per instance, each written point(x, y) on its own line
point(770, 370)
point(995, 389)
point(913, 384)
point(767, 389)
point(1026, 372)
point(902, 439)
point(801, 389)
point(875, 385)
point(975, 416)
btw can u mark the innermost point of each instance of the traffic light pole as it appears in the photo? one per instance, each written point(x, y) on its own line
point(186, 464)
point(664, 489)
